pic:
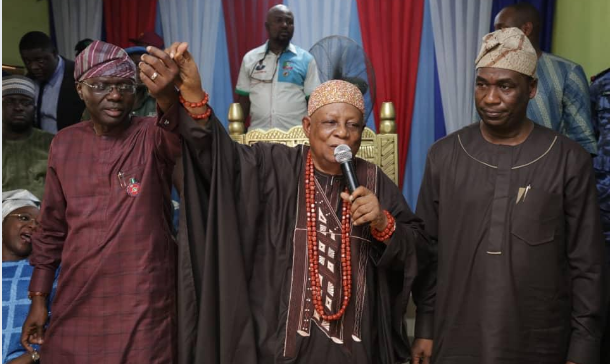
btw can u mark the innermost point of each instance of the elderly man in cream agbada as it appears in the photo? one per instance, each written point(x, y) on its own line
point(280, 263)
point(512, 208)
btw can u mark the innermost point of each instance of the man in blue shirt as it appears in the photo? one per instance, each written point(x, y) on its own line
point(562, 101)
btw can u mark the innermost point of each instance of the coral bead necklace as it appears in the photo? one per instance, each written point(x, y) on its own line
point(312, 247)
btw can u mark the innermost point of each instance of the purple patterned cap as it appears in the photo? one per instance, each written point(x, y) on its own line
point(102, 59)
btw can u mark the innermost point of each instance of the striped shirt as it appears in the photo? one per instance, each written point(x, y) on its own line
point(562, 101)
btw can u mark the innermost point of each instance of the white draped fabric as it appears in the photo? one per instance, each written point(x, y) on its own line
point(201, 24)
point(458, 27)
point(316, 19)
point(76, 20)
point(195, 22)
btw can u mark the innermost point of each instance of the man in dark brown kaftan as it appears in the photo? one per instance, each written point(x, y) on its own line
point(246, 292)
point(106, 218)
point(512, 206)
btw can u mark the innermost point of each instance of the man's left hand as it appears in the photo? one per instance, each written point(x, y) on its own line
point(159, 73)
point(366, 208)
point(421, 351)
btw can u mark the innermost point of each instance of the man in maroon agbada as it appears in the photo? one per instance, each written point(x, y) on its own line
point(106, 220)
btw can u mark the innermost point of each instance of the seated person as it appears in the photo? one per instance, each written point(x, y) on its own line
point(20, 209)
point(25, 149)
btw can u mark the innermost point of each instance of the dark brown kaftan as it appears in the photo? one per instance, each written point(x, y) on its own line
point(241, 255)
point(519, 250)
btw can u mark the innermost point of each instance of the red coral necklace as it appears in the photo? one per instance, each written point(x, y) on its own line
point(312, 247)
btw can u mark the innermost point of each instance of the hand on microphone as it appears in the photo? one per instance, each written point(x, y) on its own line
point(366, 208)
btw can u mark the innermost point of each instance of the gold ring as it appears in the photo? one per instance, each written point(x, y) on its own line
point(154, 76)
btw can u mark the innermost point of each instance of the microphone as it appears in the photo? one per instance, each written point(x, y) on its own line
point(343, 156)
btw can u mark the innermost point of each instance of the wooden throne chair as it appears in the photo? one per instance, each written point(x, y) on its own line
point(381, 149)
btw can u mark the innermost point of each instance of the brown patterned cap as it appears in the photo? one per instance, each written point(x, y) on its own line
point(509, 49)
point(335, 91)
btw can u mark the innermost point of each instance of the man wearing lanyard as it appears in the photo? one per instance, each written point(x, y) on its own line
point(275, 79)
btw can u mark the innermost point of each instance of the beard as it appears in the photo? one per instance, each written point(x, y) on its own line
point(20, 127)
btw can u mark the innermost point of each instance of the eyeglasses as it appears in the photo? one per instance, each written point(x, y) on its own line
point(351, 126)
point(22, 103)
point(260, 63)
point(104, 88)
point(24, 218)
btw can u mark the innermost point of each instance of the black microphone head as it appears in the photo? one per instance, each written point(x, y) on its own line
point(343, 153)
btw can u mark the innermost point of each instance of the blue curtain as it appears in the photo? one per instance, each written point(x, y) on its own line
point(423, 125)
point(439, 116)
point(547, 13)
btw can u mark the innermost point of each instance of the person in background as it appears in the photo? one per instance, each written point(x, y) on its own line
point(513, 210)
point(148, 38)
point(57, 103)
point(600, 108)
point(81, 45)
point(562, 101)
point(275, 79)
point(145, 104)
point(19, 213)
point(25, 149)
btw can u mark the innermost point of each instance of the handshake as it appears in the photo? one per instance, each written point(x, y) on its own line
point(165, 71)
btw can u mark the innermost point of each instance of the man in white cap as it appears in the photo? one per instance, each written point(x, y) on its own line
point(512, 207)
point(25, 149)
point(20, 210)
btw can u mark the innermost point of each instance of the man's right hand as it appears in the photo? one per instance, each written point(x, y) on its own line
point(33, 327)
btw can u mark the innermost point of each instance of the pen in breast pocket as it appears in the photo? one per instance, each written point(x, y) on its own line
point(526, 189)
